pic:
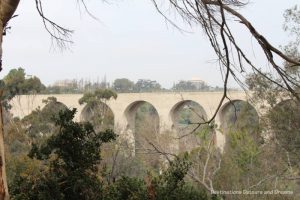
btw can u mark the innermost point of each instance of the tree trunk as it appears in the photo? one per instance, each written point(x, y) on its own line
point(7, 9)
point(4, 195)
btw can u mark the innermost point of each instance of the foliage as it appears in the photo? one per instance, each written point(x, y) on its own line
point(16, 137)
point(292, 26)
point(186, 116)
point(20, 134)
point(69, 169)
point(239, 163)
point(15, 83)
point(280, 120)
point(170, 185)
point(75, 86)
point(98, 95)
point(39, 123)
point(146, 85)
point(292, 22)
point(245, 149)
point(263, 89)
point(240, 116)
point(184, 86)
point(190, 86)
point(72, 155)
point(96, 111)
point(123, 85)
point(187, 113)
point(279, 154)
point(248, 165)
point(284, 121)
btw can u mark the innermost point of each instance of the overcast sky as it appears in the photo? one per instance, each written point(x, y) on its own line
point(130, 40)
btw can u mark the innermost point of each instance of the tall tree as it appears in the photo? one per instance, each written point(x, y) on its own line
point(7, 9)
point(123, 85)
point(15, 83)
point(184, 86)
point(146, 85)
point(72, 172)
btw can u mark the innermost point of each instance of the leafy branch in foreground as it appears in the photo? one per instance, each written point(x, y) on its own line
point(71, 157)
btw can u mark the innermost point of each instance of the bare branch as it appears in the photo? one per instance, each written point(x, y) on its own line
point(212, 16)
point(61, 35)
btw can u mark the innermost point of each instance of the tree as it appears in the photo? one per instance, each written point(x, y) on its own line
point(36, 127)
point(15, 83)
point(283, 109)
point(73, 154)
point(190, 86)
point(39, 124)
point(184, 86)
point(70, 170)
point(123, 85)
point(279, 125)
point(146, 129)
point(146, 85)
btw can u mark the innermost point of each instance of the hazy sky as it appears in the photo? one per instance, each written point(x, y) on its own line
point(131, 40)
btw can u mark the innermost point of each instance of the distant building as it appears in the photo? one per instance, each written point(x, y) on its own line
point(64, 83)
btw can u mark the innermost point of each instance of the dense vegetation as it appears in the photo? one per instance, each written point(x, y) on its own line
point(66, 165)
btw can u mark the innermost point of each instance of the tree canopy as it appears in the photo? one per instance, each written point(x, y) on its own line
point(71, 170)
point(16, 83)
point(123, 85)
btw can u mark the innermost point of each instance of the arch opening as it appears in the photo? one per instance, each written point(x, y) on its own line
point(99, 115)
point(143, 121)
point(186, 116)
point(238, 115)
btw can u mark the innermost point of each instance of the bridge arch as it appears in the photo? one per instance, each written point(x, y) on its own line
point(238, 113)
point(131, 111)
point(196, 113)
point(185, 115)
point(143, 124)
point(99, 114)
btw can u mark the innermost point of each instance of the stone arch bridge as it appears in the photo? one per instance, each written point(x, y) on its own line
point(126, 105)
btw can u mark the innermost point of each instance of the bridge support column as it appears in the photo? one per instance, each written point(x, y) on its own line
point(167, 130)
point(126, 135)
point(166, 125)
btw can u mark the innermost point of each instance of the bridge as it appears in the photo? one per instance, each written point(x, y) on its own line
point(125, 107)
